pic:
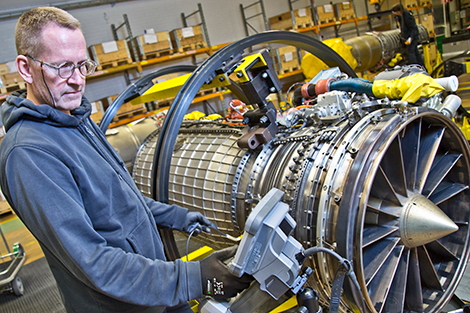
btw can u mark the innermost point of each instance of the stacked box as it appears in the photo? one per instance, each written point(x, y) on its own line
point(427, 20)
point(11, 79)
point(4, 68)
point(125, 109)
point(152, 45)
point(409, 3)
point(325, 13)
point(111, 53)
point(296, 19)
point(288, 59)
point(9, 75)
point(281, 22)
point(345, 10)
point(97, 111)
point(303, 18)
point(186, 38)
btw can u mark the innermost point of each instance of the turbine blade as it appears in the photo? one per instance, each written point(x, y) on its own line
point(429, 276)
point(439, 171)
point(373, 233)
point(414, 290)
point(395, 302)
point(381, 284)
point(445, 191)
point(427, 153)
point(410, 149)
point(375, 256)
point(394, 167)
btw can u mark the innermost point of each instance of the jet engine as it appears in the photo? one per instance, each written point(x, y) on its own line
point(382, 182)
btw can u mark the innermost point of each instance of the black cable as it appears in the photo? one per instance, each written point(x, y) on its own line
point(344, 262)
point(47, 87)
point(287, 94)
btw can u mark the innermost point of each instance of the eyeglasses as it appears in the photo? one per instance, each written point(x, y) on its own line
point(66, 69)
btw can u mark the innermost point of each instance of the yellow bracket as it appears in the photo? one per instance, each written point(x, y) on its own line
point(198, 254)
point(252, 61)
point(169, 88)
point(465, 127)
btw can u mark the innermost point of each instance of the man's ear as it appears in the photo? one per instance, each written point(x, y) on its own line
point(24, 69)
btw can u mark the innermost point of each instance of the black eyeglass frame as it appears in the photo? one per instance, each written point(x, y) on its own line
point(61, 66)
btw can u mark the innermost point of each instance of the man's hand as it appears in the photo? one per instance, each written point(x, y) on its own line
point(195, 223)
point(217, 281)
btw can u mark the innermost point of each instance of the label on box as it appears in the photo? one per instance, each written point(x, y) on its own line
point(12, 67)
point(110, 46)
point(150, 38)
point(302, 12)
point(187, 32)
point(289, 56)
point(149, 31)
point(328, 8)
point(346, 5)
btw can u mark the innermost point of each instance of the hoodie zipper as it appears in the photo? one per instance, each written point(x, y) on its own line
point(100, 147)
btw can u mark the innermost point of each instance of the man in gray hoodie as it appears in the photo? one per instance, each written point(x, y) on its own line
point(72, 190)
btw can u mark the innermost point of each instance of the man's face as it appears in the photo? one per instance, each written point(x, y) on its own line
point(59, 45)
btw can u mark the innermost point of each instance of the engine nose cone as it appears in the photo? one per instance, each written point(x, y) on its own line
point(422, 222)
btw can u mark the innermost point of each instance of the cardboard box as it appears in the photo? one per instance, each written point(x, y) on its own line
point(111, 52)
point(345, 10)
point(97, 111)
point(11, 79)
point(288, 59)
point(282, 21)
point(409, 3)
point(4, 69)
point(125, 108)
point(187, 37)
point(296, 19)
point(427, 20)
point(8, 67)
point(152, 45)
point(326, 13)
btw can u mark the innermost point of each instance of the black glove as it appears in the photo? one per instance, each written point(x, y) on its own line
point(197, 222)
point(217, 281)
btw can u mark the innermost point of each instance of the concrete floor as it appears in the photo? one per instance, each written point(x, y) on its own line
point(15, 232)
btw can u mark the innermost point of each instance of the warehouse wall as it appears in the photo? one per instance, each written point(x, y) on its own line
point(223, 18)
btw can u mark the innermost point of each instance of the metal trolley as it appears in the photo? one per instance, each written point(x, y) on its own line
point(10, 265)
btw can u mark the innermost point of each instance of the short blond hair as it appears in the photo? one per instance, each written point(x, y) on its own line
point(29, 27)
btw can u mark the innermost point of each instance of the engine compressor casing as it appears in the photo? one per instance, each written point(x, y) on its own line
point(349, 182)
